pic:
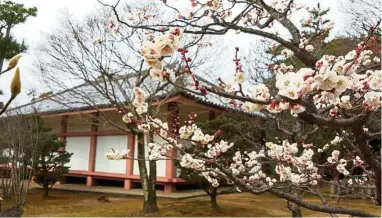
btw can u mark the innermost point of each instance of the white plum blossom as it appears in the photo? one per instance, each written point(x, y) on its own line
point(189, 162)
point(229, 87)
point(127, 118)
point(341, 168)
point(198, 136)
point(163, 45)
point(157, 74)
point(366, 62)
point(116, 154)
point(375, 80)
point(186, 131)
point(274, 108)
point(289, 84)
point(144, 127)
point(351, 55)
point(209, 176)
point(163, 130)
point(309, 48)
point(372, 100)
point(284, 105)
point(336, 140)
point(139, 100)
point(288, 53)
point(296, 109)
point(260, 92)
point(345, 102)
point(142, 108)
point(216, 149)
point(240, 77)
point(334, 157)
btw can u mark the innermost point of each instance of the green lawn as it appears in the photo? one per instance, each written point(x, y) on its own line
point(64, 203)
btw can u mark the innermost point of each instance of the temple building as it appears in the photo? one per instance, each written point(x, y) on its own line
point(81, 116)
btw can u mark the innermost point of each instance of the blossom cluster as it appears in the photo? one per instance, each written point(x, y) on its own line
point(116, 154)
point(289, 161)
point(332, 77)
point(329, 81)
point(304, 44)
point(292, 165)
point(139, 101)
point(160, 46)
point(128, 118)
point(359, 179)
point(342, 163)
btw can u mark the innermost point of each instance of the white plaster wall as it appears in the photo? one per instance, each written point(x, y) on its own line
point(104, 144)
point(161, 164)
point(80, 147)
point(135, 167)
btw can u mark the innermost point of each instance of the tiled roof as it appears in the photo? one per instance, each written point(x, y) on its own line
point(86, 96)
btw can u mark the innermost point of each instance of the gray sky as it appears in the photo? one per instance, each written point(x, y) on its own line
point(46, 20)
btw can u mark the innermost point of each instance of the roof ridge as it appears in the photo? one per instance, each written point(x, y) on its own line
point(64, 91)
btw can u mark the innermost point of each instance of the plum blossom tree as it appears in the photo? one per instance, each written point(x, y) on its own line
point(339, 92)
point(232, 128)
point(268, 57)
point(107, 60)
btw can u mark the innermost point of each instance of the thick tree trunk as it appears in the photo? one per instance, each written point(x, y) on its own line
point(294, 208)
point(296, 212)
point(45, 186)
point(148, 188)
point(152, 186)
point(213, 198)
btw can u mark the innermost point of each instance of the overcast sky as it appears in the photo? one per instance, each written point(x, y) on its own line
point(46, 20)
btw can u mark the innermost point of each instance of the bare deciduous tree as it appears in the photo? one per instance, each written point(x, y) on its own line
point(19, 141)
point(108, 63)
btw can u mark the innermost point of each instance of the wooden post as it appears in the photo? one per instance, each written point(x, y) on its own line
point(130, 162)
point(173, 125)
point(93, 149)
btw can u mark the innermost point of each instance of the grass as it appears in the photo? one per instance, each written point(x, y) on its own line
point(79, 204)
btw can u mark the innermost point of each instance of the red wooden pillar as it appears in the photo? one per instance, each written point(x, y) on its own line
point(93, 148)
point(63, 130)
point(173, 125)
point(130, 161)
